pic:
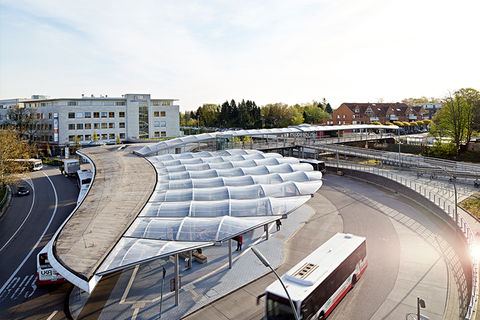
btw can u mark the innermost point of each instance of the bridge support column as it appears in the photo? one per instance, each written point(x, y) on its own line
point(176, 280)
point(229, 253)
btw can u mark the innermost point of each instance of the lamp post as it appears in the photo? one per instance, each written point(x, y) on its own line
point(267, 264)
point(420, 304)
point(161, 291)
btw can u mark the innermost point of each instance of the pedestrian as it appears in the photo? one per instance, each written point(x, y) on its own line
point(239, 240)
point(279, 223)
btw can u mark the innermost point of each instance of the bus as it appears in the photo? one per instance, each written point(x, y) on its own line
point(316, 164)
point(31, 164)
point(318, 283)
point(45, 273)
point(84, 180)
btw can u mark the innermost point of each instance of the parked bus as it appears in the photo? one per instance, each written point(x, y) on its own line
point(45, 273)
point(84, 180)
point(31, 164)
point(318, 283)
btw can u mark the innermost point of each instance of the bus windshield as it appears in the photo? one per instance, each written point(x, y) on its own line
point(43, 261)
point(278, 308)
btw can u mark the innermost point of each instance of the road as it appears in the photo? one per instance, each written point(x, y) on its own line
point(403, 263)
point(26, 227)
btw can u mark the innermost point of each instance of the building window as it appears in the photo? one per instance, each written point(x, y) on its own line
point(104, 114)
point(156, 134)
point(104, 136)
point(79, 115)
point(71, 138)
point(121, 114)
point(104, 125)
point(96, 126)
point(111, 114)
point(71, 115)
point(88, 114)
point(343, 116)
point(338, 116)
point(163, 124)
point(111, 125)
point(88, 137)
point(111, 136)
point(143, 120)
point(120, 103)
point(165, 103)
point(156, 124)
point(121, 125)
point(79, 126)
point(88, 126)
point(357, 111)
point(164, 134)
point(72, 103)
point(122, 135)
point(162, 114)
point(156, 114)
point(71, 126)
point(49, 116)
point(96, 114)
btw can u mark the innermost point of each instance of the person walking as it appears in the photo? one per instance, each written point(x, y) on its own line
point(278, 223)
point(239, 240)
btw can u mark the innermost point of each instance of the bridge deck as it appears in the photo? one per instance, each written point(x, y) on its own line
point(123, 184)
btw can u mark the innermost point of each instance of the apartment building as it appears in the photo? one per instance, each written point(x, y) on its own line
point(359, 113)
point(132, 117)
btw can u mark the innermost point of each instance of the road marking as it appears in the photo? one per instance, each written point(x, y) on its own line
point(39, 239)
point(14, 295)
point(52, 315)
point(24, 220)
point(33, 285)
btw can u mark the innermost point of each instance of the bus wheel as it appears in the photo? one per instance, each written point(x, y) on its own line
point(321, 317)
point(354, 280)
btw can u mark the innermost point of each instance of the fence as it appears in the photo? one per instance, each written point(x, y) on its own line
point(442, 199)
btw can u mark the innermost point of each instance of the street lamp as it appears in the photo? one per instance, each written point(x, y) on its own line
point(267, 264)
point(161, 291)
point(420, 304)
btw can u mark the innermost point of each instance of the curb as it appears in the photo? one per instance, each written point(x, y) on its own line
point(8, 194)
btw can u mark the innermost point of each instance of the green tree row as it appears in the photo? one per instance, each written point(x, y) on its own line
point(247, 115)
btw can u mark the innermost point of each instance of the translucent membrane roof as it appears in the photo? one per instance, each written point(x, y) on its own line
point(208, 197)
point(303, 128)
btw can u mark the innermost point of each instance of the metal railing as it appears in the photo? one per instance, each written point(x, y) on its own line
point(442, 199)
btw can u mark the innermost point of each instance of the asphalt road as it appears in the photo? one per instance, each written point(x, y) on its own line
point(26, 227)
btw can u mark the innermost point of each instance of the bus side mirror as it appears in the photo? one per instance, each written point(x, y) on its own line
point(260, 297)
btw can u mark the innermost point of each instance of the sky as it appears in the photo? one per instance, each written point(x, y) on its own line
point(267, 51)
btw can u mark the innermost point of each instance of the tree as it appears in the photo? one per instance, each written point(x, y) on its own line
point(413, 101)
point(12, 147)
point(456, 118)
point(95, 136)
point(313, 114)
point(328, 109)
point(26, 122)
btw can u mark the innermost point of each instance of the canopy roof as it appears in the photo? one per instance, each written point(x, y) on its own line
point(207, 197)
point(303, 128)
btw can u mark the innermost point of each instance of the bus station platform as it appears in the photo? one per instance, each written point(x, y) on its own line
point(123, 184)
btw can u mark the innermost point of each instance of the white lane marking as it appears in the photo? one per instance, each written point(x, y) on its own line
point(39, 239)
point(14, 295)
point(52, 315)
point(24, 220)
point(34, 288)
point(11, 285)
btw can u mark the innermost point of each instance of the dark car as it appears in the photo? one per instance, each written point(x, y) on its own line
point(22, 191)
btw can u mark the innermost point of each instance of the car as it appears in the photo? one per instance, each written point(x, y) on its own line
point(23, 191)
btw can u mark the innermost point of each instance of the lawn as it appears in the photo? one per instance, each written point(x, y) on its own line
point(472, 205)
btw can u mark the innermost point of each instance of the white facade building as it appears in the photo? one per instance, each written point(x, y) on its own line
point(130, 117)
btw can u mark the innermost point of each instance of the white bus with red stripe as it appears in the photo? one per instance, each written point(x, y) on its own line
point(320, 281)
point(45, 273)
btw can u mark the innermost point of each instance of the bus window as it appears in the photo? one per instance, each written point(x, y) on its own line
point(278, 308)
point(43, 261)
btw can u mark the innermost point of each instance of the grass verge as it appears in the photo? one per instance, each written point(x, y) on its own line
point(472, 205)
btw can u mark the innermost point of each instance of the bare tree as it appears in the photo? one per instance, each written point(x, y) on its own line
point(26, 122)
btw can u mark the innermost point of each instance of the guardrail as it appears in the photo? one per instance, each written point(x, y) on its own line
point(442, 202)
